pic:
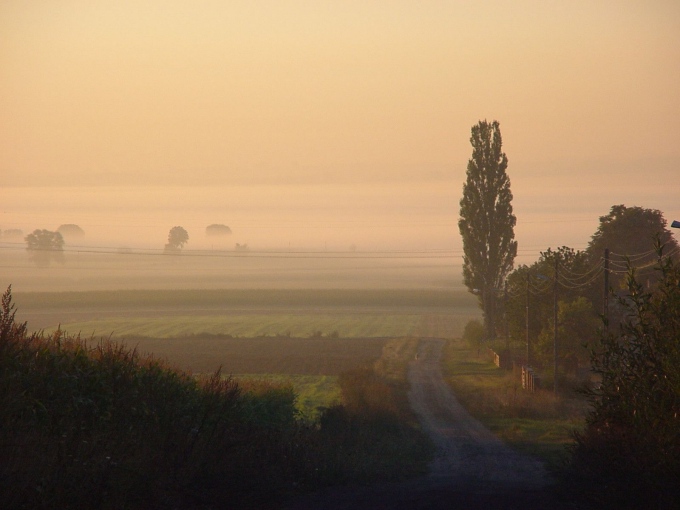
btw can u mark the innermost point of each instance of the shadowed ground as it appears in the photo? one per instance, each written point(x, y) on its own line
point(472, 469)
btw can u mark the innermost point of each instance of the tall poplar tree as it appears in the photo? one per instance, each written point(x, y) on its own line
point(486, 221)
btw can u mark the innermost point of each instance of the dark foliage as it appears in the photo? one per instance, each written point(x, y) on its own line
point(88, 424)
point(44, 246)
point(486, 220)
point(628, 456)
point(177, 238)
point(629, 233)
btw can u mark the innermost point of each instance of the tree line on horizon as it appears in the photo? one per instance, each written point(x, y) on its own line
point(46, 246)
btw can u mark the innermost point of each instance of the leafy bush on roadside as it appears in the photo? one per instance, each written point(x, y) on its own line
point(473, 333)
point(99, 426)
point(628, 456)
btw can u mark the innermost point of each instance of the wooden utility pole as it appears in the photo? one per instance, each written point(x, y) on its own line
point(605, 305)
point(527, 319)
point(555, 281)
point(505, 316)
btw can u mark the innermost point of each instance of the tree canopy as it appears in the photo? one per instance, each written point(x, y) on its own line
point(177, 238)
point(217, 230)
point(45, 246)
point(486, 221)
point(630, 234)
point(71, 230)
point(631, 231)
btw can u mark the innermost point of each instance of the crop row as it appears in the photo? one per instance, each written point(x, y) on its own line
point(345, 325)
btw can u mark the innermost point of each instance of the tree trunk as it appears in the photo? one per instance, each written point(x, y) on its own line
point(489, 316)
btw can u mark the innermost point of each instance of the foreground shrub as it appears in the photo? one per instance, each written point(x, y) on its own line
point(87, 424)
point(374, 434)
point(629, 454)
point(99, 426)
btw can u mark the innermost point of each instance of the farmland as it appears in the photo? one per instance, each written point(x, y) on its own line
point(251, 313)
point(304, 338)
point(263, 355)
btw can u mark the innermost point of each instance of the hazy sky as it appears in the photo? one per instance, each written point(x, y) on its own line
point(357, 93)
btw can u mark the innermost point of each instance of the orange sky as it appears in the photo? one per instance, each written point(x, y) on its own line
point(215, 93)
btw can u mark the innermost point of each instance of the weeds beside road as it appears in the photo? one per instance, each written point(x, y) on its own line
point(537, 423)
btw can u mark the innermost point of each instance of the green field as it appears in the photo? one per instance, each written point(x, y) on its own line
point(251, 313)
point(313, 391)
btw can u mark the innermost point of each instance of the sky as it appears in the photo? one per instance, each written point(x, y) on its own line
point(313, 114)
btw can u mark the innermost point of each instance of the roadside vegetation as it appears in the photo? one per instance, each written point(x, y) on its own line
point(612, 436)
point(628, 455)
point(314, 393)
point(94, 424)
point(538, 423)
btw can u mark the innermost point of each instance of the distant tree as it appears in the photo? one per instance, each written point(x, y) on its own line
point(177, 238)
point(486, 221)
point(217, 230)
point(629, 232)
point(69, 230)
point(241, 247)
point(628, 455)
point(43, 246)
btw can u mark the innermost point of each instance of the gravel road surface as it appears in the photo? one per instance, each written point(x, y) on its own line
point(472, 469)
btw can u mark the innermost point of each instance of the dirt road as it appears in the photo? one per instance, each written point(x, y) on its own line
point(472, 469)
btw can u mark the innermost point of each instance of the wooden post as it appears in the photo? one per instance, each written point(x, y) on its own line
point(555, 281)
point(605, 305)
point(527, 319)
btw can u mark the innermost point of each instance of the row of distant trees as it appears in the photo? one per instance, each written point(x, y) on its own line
point(46, 246)
point(178, 236)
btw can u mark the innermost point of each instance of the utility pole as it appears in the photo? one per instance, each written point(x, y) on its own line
point(555, 281)
point(505, 316)
point(605, 306)
point(527, 319)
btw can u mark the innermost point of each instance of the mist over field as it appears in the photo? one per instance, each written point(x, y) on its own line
point(322, 127)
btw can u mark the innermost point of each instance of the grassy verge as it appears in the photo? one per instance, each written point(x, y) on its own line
point(536, 423)
point(313, 392)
